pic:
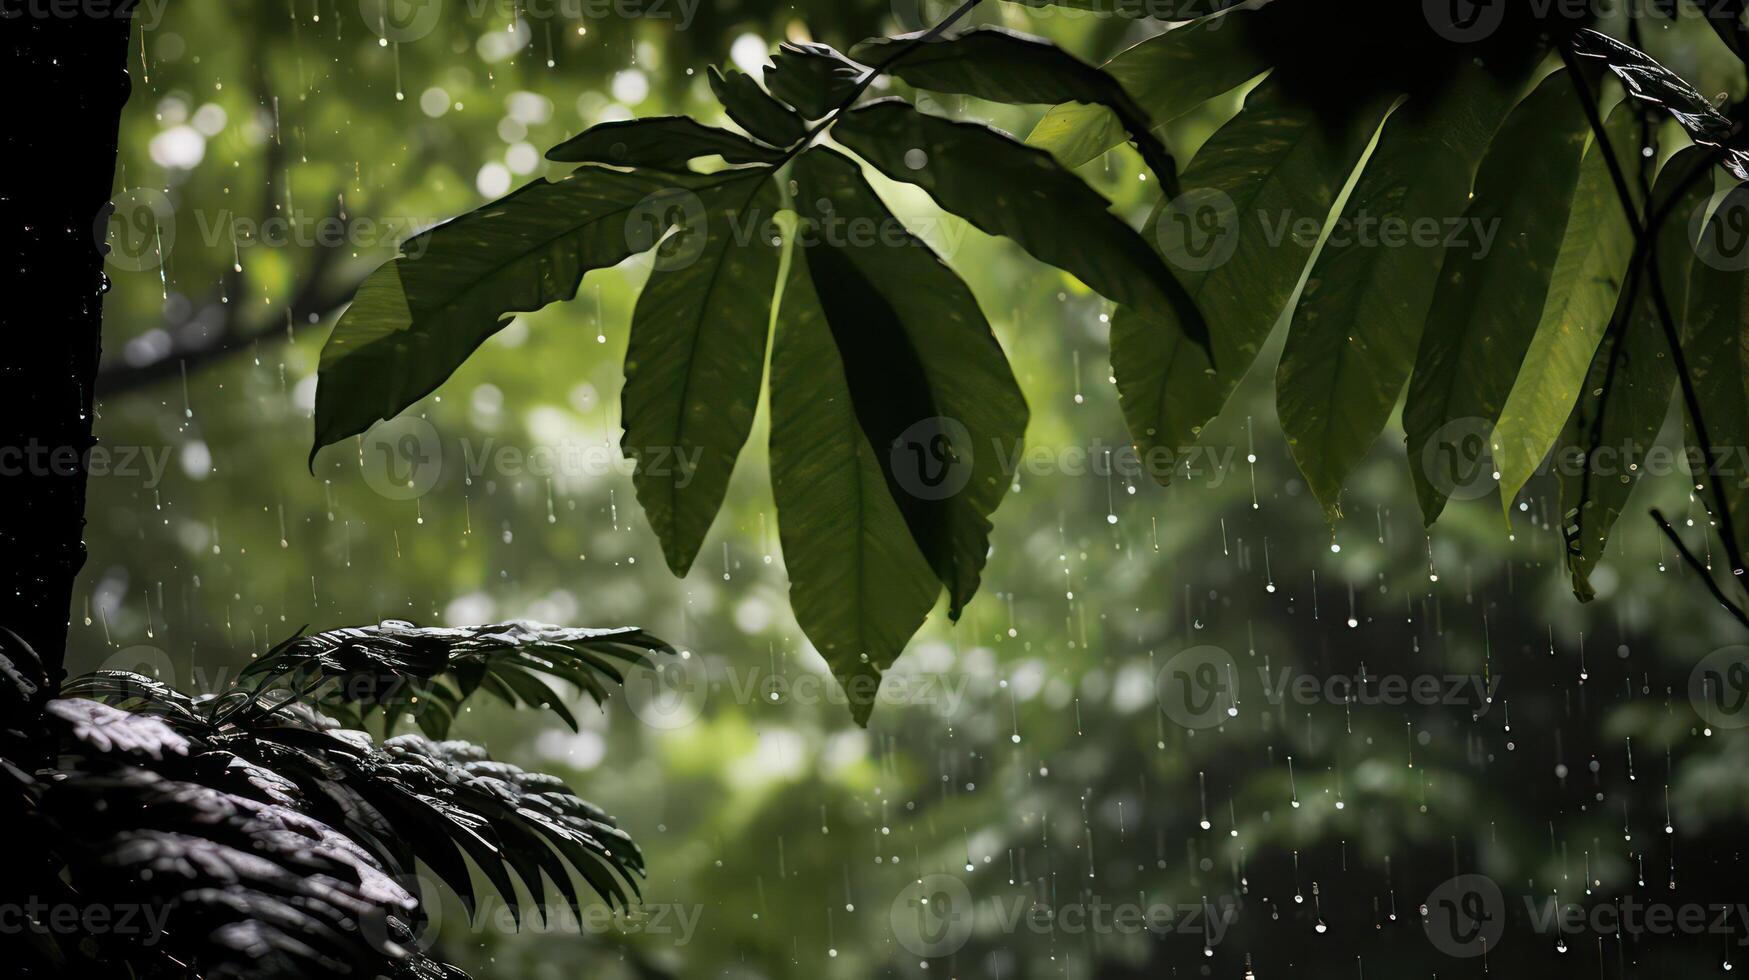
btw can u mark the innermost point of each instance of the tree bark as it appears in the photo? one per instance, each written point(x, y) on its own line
point(68, 61)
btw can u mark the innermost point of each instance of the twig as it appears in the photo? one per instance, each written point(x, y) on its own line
point(874, 72)
point(1695, 563)
point(1644, 233)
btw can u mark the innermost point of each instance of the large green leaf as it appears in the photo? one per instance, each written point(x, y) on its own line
point(695, 357)
point(662, 142)
point(1626, 394)
point(930, 384)
point(1582, 292)
point(1010, 189)
point(1000, 65)
point(1726, 18)
point(1354, 335)
point(752, 109)
point(417, 317)
point(1490, 293)
point(1236, 247)
point(814, 78)
point(858, 583)
point(1716, 348)
point(1168, 74)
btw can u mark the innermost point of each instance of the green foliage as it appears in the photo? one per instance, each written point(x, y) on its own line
point(1488, 301)
point(913, 346)
point(1273, 159)
point(1583, 286)
point(1356, 327)
point(272, 841)
point(1492, 322)
point(1717, 306)
point(1170, 73)
point(1626, 394)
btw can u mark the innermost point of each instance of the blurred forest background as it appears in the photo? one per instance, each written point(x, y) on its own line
point(273, 153)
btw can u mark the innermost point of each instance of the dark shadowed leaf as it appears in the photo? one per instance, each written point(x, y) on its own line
point(1716, 348)
point(1168, 75)
point(418, 317)
point(385, 666)
point(1007, 188)
point(695, 360)
point(1491, 289)
point(659, 142)
point(1232, 239)
point(929, 382)
point(814, 78)
point(1626, 394)
point(858, 583)
point(754, 110)
point(1354, 334)
point(1004, 66)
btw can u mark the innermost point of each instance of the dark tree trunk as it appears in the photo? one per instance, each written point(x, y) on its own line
point(68, 63)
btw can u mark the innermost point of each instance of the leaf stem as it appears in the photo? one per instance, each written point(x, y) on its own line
point(1698, 566)
point(875, 71)
point(1644, 247)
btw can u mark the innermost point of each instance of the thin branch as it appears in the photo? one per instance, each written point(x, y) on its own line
point(875, 71)
point(1644, 244)
point(233, 329)
point(320, 294)
point(1699, 567)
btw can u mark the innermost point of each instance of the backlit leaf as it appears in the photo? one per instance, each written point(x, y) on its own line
point(1168, 74)
point(418, 317)
point(1491, 291)
point(1627, 392)
point(1354, 334)
point(1239, 239)
point(1007, 188)
point(1588, 277)
point(661, 142)
point(695, 360)
point(1004, 66)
